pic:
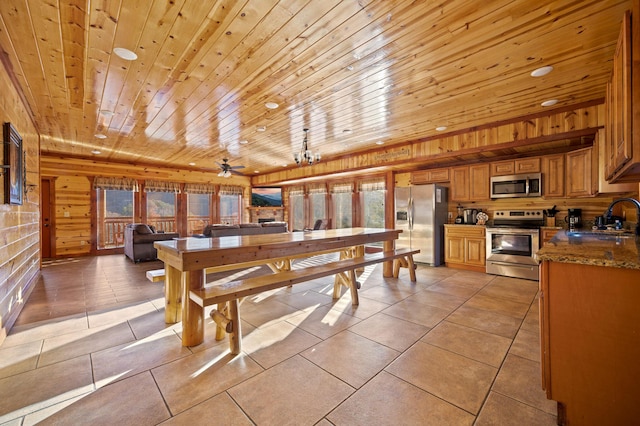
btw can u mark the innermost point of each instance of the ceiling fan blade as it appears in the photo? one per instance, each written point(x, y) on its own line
point(237, 167)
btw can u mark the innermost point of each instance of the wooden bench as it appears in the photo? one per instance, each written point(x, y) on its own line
point(227, 296)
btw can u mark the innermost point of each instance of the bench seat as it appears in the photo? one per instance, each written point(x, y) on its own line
point(227, 296)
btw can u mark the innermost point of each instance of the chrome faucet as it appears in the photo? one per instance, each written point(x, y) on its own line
point(607, 214)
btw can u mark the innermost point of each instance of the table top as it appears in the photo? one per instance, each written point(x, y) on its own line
point(191, 253)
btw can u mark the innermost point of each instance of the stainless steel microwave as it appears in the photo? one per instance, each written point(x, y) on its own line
point(516, 186)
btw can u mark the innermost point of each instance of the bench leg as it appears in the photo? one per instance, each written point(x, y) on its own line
point(412, 268)
point(235, 337)
point(353, 286)
point(221, 332)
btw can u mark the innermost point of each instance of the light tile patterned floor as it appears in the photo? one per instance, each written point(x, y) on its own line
point(455, 348)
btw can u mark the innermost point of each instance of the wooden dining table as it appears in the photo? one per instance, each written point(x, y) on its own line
point(188, 260)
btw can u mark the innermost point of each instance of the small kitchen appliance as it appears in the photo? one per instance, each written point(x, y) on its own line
point(574, 219)
point(470, 216)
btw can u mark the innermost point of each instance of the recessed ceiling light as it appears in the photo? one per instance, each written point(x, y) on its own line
point(261, 128)
point(441, 128)
point(125, 54)
point(271, 105)
point(192, 164)
point(380, 143)
point(243, 142)
point(256, 171)
point(100, 136)
point(349, 67)
point(550, 102)
point(539, 72)
point(284, 165)
point(106, 113)
point(347, 131)
point(96, 152)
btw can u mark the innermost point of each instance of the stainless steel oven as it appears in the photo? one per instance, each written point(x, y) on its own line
point(513, 239)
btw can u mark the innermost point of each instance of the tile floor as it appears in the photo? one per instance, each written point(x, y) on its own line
point(455, 348)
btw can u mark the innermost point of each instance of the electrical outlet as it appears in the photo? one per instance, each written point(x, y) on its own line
point(67, 214)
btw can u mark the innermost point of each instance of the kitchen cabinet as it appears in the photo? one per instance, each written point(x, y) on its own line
point(512, 167)
point(622, 147)
point(430, 176)
point(465, 247)
point(581, 173)
point(470, 183)
point(547, 234)
point(552, 167)
point(590, 344)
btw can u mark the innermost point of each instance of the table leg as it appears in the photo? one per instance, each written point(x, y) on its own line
point(387, 267)
point(192, 313)
point(172, 295)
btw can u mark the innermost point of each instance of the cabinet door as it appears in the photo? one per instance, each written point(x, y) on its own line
point(454, 249)
point(580, 174)
point(621, 97)
point(501, 168)
point(475, 251)
point(528, 165)
point(460, 184)
point(479, 186)
point(553, 175)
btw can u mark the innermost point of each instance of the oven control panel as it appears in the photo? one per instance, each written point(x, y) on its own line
point(519, 214)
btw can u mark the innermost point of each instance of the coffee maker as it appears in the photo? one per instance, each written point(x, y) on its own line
point(574, 219)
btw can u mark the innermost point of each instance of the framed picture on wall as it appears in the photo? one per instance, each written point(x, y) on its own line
point(13, 165)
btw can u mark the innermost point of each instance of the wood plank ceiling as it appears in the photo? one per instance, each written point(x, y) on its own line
point(355, 73)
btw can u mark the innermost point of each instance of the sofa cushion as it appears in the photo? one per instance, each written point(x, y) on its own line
point(143, 229)
point(250, 225)
point(274, 224)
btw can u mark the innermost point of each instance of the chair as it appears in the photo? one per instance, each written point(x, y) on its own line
point(320, 224)
point(139, 239)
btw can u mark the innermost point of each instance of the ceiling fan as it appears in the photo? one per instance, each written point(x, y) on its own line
point(227, 169)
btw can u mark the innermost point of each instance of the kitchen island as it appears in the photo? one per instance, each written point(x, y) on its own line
point(590, 326)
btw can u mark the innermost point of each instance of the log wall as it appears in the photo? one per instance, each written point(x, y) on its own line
point(19, 224)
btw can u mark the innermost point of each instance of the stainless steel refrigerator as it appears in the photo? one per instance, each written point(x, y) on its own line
point(421, 212)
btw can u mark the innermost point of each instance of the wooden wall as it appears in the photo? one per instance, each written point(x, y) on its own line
point(19, 224)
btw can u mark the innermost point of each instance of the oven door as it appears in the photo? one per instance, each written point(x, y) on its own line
point(513, 245)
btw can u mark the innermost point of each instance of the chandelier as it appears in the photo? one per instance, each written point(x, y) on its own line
point(305, 155)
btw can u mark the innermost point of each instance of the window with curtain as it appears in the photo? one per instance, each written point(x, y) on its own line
point(372, 195)
point(230, 202)
point(341, 196)
point(161, 204)
point(198, 206)
point(296, 207)
point(317, 202)
point(115, 209)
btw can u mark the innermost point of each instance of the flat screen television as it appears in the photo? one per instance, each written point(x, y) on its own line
point(270, 196)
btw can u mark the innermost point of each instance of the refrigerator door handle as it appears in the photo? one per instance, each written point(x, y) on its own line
point(410, 211)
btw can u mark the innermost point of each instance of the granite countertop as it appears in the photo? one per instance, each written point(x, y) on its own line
point(597, 249)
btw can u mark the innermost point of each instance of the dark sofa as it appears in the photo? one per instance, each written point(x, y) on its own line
point(139, 239)
point(219, 230)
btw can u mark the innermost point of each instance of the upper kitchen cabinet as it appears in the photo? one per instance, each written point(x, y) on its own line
point(470, 183)
point(581, 173)
point(553, 175)
point(512, 167)
point(430, 176)
point(622, 147)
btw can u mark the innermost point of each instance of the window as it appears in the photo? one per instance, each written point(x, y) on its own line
point(373, 196)
point(341, 195)
point(115, 211)
point(296, 208)
point(161, 210)
point(230, 202)
point(115, 208)
point(198, 212)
